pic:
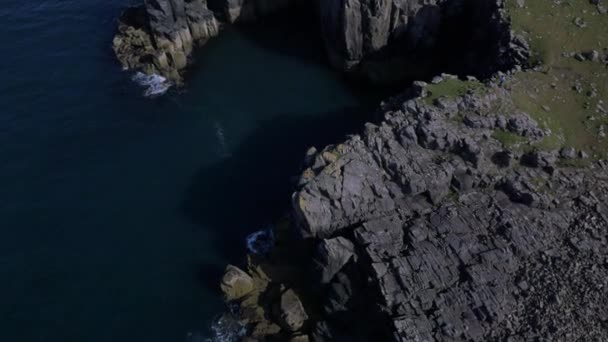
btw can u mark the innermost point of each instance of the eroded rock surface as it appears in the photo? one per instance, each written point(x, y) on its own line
point(383, 41)
point(456, 245)
point(159, 36)
point(427, 228)
point(386, 40)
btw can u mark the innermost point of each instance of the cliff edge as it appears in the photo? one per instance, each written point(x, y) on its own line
point(431, 226)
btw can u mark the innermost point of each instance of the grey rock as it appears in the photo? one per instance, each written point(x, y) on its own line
point(292, 315)
point(358, 34)
point(523, 125)
point(567, 153)
point(236, 283)
point(332, 255)
point(540, 159)
point(475, 267)
point(158, 37)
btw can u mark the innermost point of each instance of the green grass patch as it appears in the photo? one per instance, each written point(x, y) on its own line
point(451, 88)
point(548, 95)
point(508, 139)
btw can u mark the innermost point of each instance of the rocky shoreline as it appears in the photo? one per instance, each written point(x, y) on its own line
point(446, 221)
point(426, 228)
point(380, 41)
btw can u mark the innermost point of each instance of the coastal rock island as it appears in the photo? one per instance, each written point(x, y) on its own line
point(473, 209)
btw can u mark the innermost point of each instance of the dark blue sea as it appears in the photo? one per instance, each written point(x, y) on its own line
point(118, 212)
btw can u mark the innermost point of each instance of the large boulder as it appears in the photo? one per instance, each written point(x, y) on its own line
point(236, 283)
point(291, 313)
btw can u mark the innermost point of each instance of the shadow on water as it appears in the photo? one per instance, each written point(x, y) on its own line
point(252, 187)
point(294, 32)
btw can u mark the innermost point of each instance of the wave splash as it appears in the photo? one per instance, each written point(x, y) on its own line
point(261, 242)
point(225, 329)
point(155, 85)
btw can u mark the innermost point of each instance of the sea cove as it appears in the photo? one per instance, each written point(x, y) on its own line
point(119, 212)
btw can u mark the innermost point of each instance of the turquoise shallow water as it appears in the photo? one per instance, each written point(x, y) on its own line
point(119, 212)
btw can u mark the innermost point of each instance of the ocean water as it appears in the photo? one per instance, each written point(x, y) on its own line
point(118, 212)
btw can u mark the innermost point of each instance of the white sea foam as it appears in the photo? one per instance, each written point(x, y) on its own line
point(261, 242)
point(155, 85)
point(224, 329)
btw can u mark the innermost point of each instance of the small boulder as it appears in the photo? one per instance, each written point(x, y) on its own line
point(462, 180)
point(236, 283)
point(522, 124)
point(292, 315)
point(567, 153)
point(592, 55)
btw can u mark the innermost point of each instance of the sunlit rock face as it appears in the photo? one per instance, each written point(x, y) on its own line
point(159, 36)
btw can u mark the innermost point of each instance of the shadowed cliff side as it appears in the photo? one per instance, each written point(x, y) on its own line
point(380, 41)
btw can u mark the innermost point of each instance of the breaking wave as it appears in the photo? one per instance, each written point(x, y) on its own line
point(155, 85)
point(224, 329)
point(261, 242)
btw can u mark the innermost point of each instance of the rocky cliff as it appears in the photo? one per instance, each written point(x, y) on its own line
point(449, 219)
point(386, 41)
point(382, 41)
point(159, 36)
point(428, 227)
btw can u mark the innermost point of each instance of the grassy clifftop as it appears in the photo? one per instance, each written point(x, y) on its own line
point(567, 91)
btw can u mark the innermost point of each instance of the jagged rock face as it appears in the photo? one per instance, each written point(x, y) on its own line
point(383, 40)
point(159, 36)
point(454, 242)
point(355, 29)
point(388, 40)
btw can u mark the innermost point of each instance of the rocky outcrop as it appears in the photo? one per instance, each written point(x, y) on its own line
point(448, 237)
point(427, 228)
point(236, 284)
point(387, 41)
point(159, 36)
point(383, 41)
